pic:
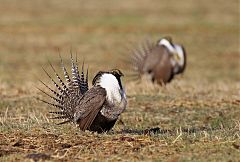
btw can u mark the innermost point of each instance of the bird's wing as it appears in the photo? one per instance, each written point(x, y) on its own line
point(67, 94)
point(89, 106)
point(140, 54)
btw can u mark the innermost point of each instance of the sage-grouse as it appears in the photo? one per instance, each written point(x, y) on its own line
point(159, 62)
point(95, 109)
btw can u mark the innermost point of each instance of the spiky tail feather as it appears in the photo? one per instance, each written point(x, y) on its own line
point(68, 94)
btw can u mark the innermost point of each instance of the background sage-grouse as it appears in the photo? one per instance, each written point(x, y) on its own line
point(95, 109)
point(159, 62)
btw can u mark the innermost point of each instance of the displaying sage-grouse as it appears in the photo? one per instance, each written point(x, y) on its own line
point(159, 62)
point(95, 109)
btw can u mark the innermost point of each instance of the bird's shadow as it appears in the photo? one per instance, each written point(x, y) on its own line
point(158, 131)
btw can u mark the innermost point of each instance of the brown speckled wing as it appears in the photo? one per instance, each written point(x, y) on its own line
point(89, 107)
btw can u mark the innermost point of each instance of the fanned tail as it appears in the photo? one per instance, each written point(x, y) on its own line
point(84, 82)
point(65, 89)
point(139, 55)
point(49, 103)
point(68, 80)
point(75, 74)
point(68, 93)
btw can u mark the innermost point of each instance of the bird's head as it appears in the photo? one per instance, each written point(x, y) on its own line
point(116, 72)
point(167, 43)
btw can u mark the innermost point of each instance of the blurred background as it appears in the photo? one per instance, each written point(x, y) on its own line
point(100, 31)
point(31, 32)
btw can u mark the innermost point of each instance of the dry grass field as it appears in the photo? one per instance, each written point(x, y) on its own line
point(198, 113)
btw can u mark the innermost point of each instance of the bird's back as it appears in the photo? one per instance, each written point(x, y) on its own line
point(158, 63)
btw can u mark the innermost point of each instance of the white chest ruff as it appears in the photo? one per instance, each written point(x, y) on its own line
point(112, 87)
point(180, 52)
point(176, 50)
point(116, 97)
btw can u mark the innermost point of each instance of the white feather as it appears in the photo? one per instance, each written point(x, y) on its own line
point(110, 83)
point(180, 53)
point(167, 44)
point(174, 49)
